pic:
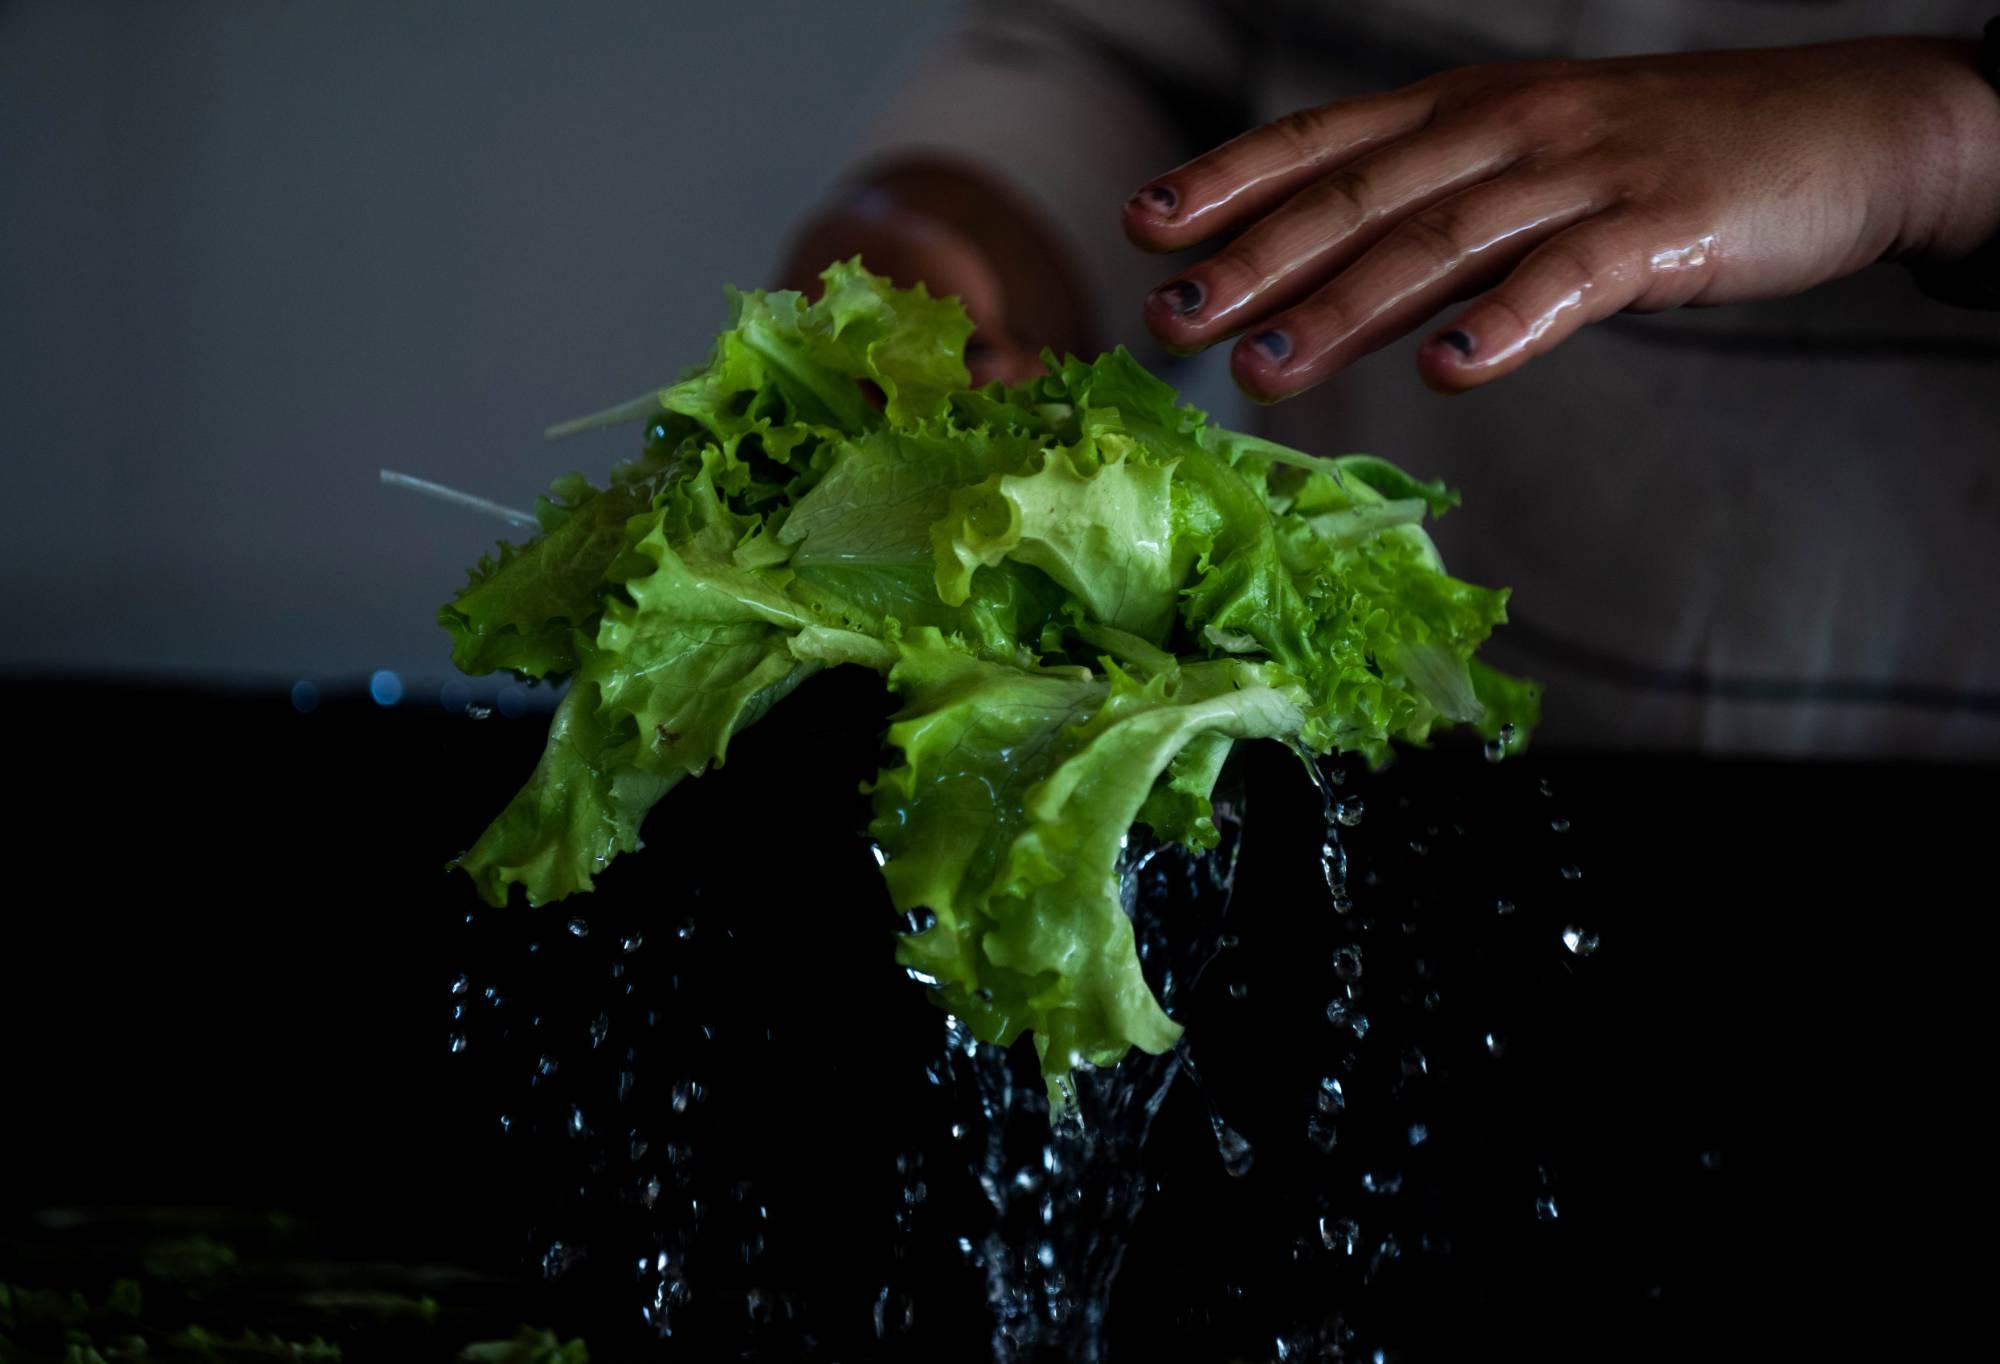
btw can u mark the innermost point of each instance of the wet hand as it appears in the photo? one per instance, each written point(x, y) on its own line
point(1554, 194)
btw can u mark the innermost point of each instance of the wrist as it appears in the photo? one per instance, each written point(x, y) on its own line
point(1952, 196)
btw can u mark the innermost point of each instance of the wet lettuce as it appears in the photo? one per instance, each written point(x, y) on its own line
point(1082, 592)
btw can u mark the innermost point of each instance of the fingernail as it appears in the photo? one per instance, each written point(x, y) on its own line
point(1275, 345)
point(1157, 199)
point(1458, 341)
point(1182, 297)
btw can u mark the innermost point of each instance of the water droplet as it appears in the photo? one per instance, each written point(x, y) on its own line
point(1228, 940)
point(461, 984)
point(1341, 1234)
point(639, 1146)
point(894, 1313)
point(1545, 1208)
point(1415, 1063)
point(1419, 847)
point(1238, 990)
point(1579, 940)
point(1383, 1183)
point(1330, 1097)
point(1349, 811)
point(1235, 1150)
point(548, 1065)
point(506, 1123)
point(1572, 873)
point(1323, 1134)
point(576, 1126)
point(1347, 963)
point(1343, 1014)
point(1503, 906)
point(557, 1259)
point(457, 1042)
point(1711, 1160)
point(632, 942)
point(1495, 1044)
point(599, 1027)
point(1560, 826)
point(687, 1093)
point(919, 920)
point(579, 928)
point(1419, 1134)
point(475, 711)
point(686, 929)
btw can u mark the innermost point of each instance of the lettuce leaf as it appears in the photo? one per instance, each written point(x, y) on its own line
point(1083, 593)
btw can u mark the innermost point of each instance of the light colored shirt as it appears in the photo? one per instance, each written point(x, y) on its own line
point(1770, 528)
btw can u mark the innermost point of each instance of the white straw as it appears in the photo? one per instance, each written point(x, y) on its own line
point(457, 498)
point(632, 410)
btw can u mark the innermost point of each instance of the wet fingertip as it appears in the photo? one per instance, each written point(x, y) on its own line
point(1273, 345)
point(1442, 367)
point(1250, 367)
point(1181, 297)
point(1156, 201)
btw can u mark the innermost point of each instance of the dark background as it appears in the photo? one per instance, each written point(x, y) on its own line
point(251, 254)
point(226, 980)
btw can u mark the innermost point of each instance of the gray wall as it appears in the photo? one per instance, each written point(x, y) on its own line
point(253, 252)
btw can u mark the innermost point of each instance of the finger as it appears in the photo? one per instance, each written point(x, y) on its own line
point(999, 357)
point(1584, 275)
point(1445, 252)
point(1319, 231)
point(1248, 176)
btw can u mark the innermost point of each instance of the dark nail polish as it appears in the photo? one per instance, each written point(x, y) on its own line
point(1458, 341)
point(1183, 296)
point(1275, 345)
point(1158, 199)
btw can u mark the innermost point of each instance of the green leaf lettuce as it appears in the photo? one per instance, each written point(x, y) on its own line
point(1082, 593)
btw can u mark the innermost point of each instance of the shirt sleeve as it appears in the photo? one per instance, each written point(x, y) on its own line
point(1074, 106)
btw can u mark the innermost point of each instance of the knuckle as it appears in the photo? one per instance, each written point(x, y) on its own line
point(1345, 197)
point(1576, 263)
point(1439, 235)
point(1508, 318)
point(1302, 133)
point(1318, 322)
point(1557, 106)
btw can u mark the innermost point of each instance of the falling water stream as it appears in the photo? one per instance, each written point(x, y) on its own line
point(683, 1162)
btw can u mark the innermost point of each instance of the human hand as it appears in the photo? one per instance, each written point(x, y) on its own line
point(957, 233)
point(1568, 191)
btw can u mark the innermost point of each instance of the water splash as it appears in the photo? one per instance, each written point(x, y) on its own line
point(1332, 853)
point(1063, 1200)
